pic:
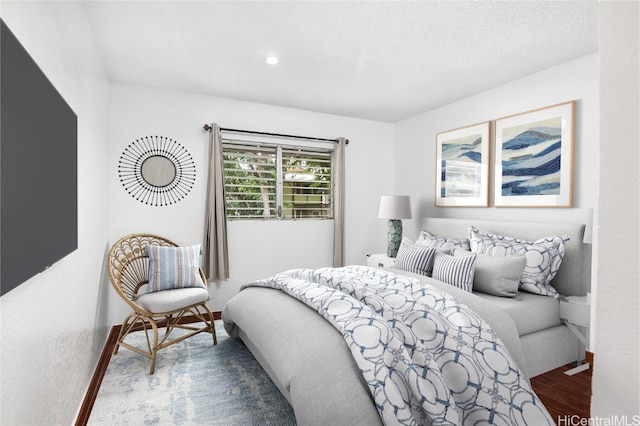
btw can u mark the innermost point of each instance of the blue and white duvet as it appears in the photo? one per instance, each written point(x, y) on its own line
point(426, 358)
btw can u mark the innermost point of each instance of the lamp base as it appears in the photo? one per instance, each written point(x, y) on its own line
point(394, 237)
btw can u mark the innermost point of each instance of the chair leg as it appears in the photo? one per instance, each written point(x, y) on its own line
point(154, 347)
point(124, 330)
point(136, 322)
point(169, 325)
point(212, 325)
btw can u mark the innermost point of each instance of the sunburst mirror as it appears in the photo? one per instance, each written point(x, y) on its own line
point(156, 170)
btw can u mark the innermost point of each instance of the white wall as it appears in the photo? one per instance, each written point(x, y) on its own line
point(415, 148)
point(54, 325)
point(616, 376)
point(257, 249)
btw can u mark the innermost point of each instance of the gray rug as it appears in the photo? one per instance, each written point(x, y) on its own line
point(195, 383)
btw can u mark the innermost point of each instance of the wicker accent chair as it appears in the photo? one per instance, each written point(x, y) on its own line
point(128, 267)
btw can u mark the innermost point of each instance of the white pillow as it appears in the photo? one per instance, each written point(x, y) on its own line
point(496, 275)
point(441, 243)
point(544, 257)
point(413, 258)
point(455, 270)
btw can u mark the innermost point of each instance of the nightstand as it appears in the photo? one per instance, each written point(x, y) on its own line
point(380, 261)
point(576, 311)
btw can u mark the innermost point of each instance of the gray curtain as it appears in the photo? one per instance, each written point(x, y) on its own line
point(216, 257)
point(338, 200)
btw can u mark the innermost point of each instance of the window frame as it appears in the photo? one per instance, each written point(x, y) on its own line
point(322, 154)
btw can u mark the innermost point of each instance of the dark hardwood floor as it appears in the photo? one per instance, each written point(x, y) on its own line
point(564, 396)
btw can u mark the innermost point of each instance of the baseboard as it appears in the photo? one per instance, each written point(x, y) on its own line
point(588, 358)
point(586, 364)
point(98, 374)
point(103, 363)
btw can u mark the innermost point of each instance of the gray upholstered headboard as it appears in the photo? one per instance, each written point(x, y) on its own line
point(574, 274)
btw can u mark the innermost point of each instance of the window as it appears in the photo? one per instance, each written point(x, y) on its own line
point(266, 181)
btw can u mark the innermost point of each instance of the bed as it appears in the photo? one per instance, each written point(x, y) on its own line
point(313, 362)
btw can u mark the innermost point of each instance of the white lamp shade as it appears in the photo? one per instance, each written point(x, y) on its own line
point(395, 207)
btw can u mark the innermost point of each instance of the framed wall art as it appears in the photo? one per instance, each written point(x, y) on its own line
point(534, 158)
point(462, 166)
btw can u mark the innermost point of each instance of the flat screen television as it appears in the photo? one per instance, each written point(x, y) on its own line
point(38, 168)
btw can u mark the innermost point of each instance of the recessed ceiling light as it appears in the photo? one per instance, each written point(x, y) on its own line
point(272, 60)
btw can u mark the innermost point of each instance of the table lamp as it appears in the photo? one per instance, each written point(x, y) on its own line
point(394, 208)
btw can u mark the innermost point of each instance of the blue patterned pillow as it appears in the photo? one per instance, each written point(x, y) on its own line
point(173, 267)
point(441, 243)
point(414, 258)
point(455, 270)
point(544, 257)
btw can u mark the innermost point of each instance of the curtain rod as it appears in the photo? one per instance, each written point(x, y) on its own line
point(207, 128)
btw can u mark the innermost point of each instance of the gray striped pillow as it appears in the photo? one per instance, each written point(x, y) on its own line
point(455, 270)
point(413, 258)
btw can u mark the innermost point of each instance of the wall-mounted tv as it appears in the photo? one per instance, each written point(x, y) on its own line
point(38, 168)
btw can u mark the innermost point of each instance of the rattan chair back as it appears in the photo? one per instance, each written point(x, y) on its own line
point(129, 264)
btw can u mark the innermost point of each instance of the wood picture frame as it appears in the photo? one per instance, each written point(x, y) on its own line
point(533, 159)
point(462, 166)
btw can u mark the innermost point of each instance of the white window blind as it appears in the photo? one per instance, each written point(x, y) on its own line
point(267, 181)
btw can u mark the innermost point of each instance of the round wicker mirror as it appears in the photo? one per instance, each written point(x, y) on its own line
point(156, 170)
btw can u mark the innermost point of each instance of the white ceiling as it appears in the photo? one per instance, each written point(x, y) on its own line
point(377, 60)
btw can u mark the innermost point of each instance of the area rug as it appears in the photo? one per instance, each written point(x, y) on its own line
point(195, 383)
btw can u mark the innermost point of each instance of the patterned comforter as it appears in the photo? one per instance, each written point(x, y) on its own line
point(426, 358)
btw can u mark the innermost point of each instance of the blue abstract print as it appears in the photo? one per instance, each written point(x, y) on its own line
point(461, 167)
point(531, 158)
